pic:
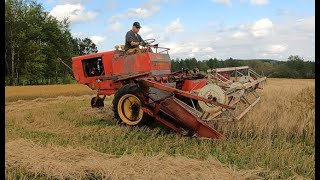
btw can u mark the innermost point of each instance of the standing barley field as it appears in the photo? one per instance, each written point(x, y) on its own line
point(52, 132)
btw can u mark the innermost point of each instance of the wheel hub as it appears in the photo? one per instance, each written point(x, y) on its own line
point(129, 109)
point(214, 93)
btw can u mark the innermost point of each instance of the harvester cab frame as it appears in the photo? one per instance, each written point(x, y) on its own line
point(145, 89)
point(93, 67)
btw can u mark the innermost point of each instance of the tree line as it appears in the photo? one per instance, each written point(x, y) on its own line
point(34, 41)
point(294, 67)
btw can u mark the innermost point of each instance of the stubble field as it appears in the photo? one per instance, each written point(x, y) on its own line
point(52, 132)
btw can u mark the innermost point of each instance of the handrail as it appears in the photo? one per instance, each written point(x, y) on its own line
point(231, 68)
point(165, 49)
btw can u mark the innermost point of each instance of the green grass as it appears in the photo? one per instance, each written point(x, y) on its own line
point(72, 122)
point(289, 158)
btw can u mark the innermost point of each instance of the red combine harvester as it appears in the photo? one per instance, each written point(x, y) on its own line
point(144, 88)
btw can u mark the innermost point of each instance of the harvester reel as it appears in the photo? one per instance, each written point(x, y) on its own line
point(213, 92)
point(239, 91)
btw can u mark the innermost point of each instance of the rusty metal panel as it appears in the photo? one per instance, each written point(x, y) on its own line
point(188, 120)
point(107, 63)
point(143, 62)
point(160, 63)
point(161, 120)
point(131, 64)
point(190, 85)
point(78, 69)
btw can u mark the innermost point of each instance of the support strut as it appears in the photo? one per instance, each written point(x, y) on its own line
point(184, 119)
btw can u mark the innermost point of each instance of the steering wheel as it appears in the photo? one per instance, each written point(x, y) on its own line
point(149, 41)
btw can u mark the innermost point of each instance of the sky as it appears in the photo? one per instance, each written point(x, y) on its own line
point(240, 29)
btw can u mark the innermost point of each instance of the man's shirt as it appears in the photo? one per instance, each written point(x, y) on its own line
point(131, 36)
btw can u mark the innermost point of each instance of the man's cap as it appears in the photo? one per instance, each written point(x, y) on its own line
point(137, 24)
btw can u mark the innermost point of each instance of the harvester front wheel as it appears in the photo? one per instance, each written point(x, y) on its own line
point(127, 106)
point(99, 102)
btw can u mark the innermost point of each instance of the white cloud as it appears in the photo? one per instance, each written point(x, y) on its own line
point(190, 49)
point(115, 26)
point(277, 48)
point(175, 26)
point(147, 10)
point(174, 47)
point(145, 30)
point(206, 57)
point(306, 24)
point(206, 45)
point(243, 41)
point(150, 36)
point(163, 37)
point(195, 50)
point(225, 2)
point(191, 55)
point(179, 48)
point(75, 13)
point(259, 2)
point(263, 38)
point(208, 50)
point(239, 35)
point(98, 39)
point(262, 27)
point(142, 12)
point(244, 26)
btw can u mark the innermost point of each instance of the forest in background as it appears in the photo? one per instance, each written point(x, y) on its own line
point(293, 67)
point(35, 41)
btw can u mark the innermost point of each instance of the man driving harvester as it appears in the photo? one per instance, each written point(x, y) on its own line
point(133, 40)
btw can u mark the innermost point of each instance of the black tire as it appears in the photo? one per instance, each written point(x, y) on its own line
point(123, 96)
point(98, 104)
